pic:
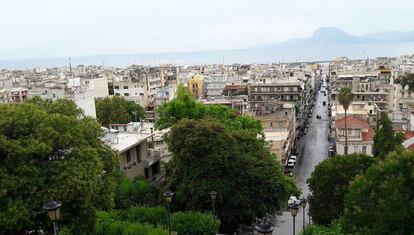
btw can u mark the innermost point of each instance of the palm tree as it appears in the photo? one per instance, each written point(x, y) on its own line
point(345, 99)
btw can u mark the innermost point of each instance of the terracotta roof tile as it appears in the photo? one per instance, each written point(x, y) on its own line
point(352, 123)
point(408, 134)
point(368, 135)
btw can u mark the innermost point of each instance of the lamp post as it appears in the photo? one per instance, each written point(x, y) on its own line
point(309, 216)
point(303, 203)
point(294, 205)
point(213, 195)
point(168, 197)
point(53, 210)
point(264, 226)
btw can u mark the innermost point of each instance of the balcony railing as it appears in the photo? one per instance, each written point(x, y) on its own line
point(153, 156)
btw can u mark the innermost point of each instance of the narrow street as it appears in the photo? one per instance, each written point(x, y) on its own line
point(313, 149)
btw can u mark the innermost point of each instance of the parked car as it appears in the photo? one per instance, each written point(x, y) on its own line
point(290, 163)
point(293, 157)
point(318, 116)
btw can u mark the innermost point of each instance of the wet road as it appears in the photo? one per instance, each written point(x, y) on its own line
point(313, 149)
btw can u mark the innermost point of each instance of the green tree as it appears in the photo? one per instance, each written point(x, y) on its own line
point(134, 193)
point(385, 140)
point(61, 106)
point(48, 155)
point(185, 106)
point(345, 98)
point(236, 164)
point(329, 183)
point(117, 110)
point(381, 201)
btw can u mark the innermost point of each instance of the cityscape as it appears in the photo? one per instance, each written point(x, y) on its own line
point(310, 134)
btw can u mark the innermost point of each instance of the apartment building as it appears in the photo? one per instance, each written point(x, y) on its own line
point(136, 159)
point(360, 136)
point(265, 96)
point(279, 130)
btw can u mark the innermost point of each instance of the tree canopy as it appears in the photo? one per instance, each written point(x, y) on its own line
point(329, 183)
point(117, 110)
point(385, 140)
point(236, 164)
point(381, 201)
point(345, 97)
point(185, 106)
point(48, 153)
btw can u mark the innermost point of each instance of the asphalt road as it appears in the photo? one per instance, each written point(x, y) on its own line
point(313, 149)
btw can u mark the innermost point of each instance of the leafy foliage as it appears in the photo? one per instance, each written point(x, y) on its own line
point(385, 140)
point(117, 110)
point(407, 80)
point(134, 193)
point(315, 229)
point(107, 224)
point(47, 152)
point(185, 106)
point(236, 164)
point(194, 223)
point(329, 183)
point(345, 97)
point(151, 215)
point(381, 201)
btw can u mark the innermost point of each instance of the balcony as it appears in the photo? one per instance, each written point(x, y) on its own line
point(153, 157)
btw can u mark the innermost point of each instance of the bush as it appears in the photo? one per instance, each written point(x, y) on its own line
point(322, 230)
point(194, 223)
point(107, 224)
point(153, 215)
point(133, 193)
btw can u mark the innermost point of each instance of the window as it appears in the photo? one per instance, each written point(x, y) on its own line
point(349, 131)
point(116, 87)
point(126, 94)
point(138, 152)
point(125, 87)
point(356, 149)
point(117, 94)
point(271, 124)
point(128, 155)
point(364, 149)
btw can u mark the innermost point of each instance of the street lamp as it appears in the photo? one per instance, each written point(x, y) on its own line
point(213, 195)
point(294, 205)
point(53, 210)
point(168, 197)
point(264, 226)
point(309, 216)
point(303, 203)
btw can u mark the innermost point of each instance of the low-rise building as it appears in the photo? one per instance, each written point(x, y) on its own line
point(136, 159)
point(360, 136)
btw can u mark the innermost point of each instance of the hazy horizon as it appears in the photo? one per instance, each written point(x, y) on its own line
point(56, 29)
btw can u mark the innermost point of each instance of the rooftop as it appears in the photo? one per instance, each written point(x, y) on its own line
point(352, 123)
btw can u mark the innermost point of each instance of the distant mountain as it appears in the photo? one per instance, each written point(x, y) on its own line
point(325, 44)
point(328, 36)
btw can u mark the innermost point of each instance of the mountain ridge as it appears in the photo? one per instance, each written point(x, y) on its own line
point(329, 35)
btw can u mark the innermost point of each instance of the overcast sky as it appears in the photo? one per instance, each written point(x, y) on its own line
point(61, 28)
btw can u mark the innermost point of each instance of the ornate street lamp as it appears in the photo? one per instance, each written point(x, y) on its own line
point(168, 197)
point(294, 205)
point(213, 195)
point(264, 226)
point(53, 210)
point(303, 202)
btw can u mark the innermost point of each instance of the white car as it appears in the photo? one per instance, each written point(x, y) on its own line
point(290, 163)
point(293, 157)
